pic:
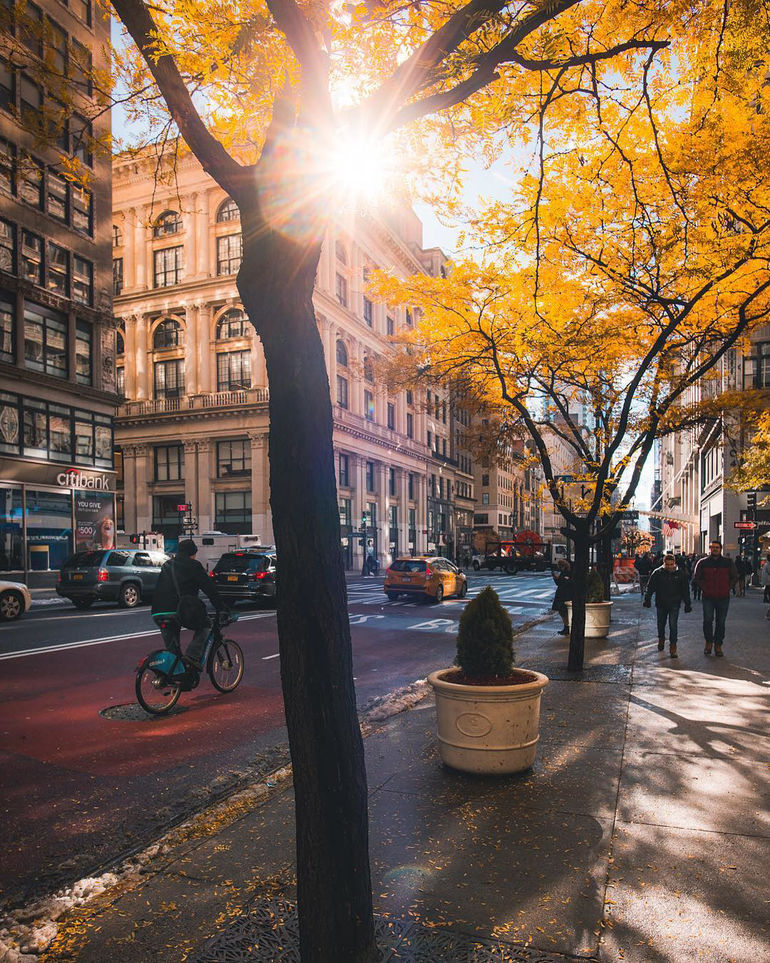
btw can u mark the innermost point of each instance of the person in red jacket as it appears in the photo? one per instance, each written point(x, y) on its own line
point(715, 575)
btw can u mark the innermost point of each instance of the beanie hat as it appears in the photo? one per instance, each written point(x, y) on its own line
point(187, 547)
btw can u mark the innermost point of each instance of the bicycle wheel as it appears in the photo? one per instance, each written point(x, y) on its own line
point(155, 694)
point(226, 665)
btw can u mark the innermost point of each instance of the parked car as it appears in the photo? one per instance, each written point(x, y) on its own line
point(15, 600)
point(126, 576)
point(429, 577)
point(246, 576)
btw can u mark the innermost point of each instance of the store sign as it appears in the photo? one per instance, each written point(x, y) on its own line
point(745, 526)
point(94, 521)
point(37, 473)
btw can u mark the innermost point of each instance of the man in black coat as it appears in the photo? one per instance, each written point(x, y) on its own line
point(183, 575)
point(670, 586)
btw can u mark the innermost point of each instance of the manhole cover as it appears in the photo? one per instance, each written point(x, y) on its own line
point(133, 712)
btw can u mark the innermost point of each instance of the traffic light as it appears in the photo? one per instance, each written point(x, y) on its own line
point(136, 539)
point(751, 501)
point(365, 520)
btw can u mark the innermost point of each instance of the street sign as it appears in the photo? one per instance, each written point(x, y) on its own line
point(745, 526)
point(631, 515)
point(183, 508)
point(563, 478)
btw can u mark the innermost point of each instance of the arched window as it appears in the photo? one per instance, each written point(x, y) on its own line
point(342, 354)
point(169, 222)
point(228, 211)
point(120, 345)
point(233, 324)
point(167, 334)
point(117, 236)
point(369, 371)
point(341, 253)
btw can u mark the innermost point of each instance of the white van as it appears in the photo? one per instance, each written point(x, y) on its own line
point(213, 545)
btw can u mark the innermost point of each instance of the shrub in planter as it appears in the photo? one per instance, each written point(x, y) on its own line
point(595, 587)
point(485, 638)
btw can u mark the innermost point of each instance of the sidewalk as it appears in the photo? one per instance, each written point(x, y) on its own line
point(641, 834)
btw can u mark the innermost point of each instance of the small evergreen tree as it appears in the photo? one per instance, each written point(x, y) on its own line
point(595, 587)
point(485, 639)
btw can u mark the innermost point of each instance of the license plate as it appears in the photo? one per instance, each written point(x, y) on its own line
point(406, 578)
point(232, 578)
point(77, 578)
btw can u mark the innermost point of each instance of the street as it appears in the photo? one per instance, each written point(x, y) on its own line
point(87, 775)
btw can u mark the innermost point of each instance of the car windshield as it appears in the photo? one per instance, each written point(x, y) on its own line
point(84, 560)
point(235, 562)
point(408, 565)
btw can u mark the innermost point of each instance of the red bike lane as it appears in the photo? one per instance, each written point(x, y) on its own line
point(78, 786)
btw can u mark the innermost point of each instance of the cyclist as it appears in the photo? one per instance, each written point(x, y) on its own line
point(181, 578)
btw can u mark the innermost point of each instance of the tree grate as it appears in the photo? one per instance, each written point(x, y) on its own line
point(269, 933)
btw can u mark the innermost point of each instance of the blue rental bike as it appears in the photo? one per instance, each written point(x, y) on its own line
point(162, 676)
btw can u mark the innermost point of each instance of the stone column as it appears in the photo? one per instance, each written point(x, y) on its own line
point(356, 378)
point(129, 488)
point(143, 498)
point(129, 358)
point(143, 246)
point(382, 472)
point(204, 232)
point(422, 513)
point(205, 507)
point(403, 510)
point(261, 515)
point(358, 477)
point(203, 337)
point(191, 220)
point(191, 475)
point(142, 359)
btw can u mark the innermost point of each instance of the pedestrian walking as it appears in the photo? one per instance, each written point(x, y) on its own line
point(716, 576)
point(742, 569)
point(562, 576)
point(670, 586)
point(764, 579)
point(644, 565)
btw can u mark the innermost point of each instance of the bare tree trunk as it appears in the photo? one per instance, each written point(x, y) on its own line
point(333, 879)
point(606, 561)
point(582, 543)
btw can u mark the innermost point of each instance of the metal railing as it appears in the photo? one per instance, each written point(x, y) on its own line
point(215, 399)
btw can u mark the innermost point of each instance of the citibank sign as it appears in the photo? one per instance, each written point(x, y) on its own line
point(74, 478)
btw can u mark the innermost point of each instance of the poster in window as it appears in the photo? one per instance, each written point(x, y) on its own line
point(108, 359)
point(94, 521)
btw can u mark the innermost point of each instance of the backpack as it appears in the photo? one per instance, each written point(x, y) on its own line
point(190, 610)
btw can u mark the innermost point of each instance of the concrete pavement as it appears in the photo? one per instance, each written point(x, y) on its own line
point(640, 834)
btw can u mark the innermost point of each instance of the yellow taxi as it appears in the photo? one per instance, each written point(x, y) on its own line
point(429, 576)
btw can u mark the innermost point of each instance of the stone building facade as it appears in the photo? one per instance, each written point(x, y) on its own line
point(57, 334)
point(192, 428)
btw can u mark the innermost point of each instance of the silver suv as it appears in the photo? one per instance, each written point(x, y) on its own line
point(123, 575)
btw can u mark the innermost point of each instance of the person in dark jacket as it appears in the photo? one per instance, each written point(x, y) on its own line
point(644, 564)
point(670, 586)
point(191, 578)
point(562, 576)
point(715, 575)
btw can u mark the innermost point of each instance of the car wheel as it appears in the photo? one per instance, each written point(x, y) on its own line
point(129, 596)
point(82, 603)
point(11, 605)
point(439, 593)
point(462, 591)
point(392, 596)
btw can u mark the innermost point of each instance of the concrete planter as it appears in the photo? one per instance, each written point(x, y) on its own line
point(598, 615)
point(488, 729)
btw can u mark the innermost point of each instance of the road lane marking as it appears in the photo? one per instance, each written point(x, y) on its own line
point(48, 649)
point(362, 619)
point(266, 658)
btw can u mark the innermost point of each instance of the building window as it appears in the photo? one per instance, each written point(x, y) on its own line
point(31, 257)
point(117, 236)
point(411, 485)
point(81, 69)
point(341, 289)
point(391, 327)
point(31, 181)
point(409, 425)
point(368, 312)
point(168, 334)
point(84, 350)
point(57, 273)
point(7, 168)
point(167, 223)
point(232, 511)
point(56, 197)
point(344, 471)
point(228, 211)
point(82, 280)
point(233, 324)
point(340, 252)
point(485, 498)
point(168, 266)
point(485, 480)
point(117, 275)
point(346, 513)
point(6, 337)
point(369, 406)
point(430, 438)
point(7, 86)
point(81, 207)
point(165, 517)
point(82, 10)
point(229, 254)
point(233, 458)
point(31, 104)
point(81, 137)
point(169, 379)
point(342, 391)
point(391, 415)
point(169, 463)
point(233, 370)
point(45, 341)
point(342, 354)
point(369, 371)
point(370, 476)
point(409, 397)
point(408, 318)
point(120, 381)
point(392, 481)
